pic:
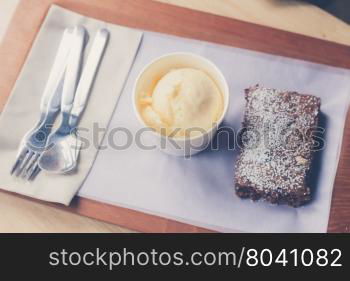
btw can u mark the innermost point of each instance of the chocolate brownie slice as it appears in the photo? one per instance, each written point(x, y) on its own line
point(277, 146)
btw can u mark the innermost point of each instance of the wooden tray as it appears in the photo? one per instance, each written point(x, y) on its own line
point(154, 16)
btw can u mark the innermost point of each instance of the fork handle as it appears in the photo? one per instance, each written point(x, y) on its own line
point(73, 69)
point(51, 98)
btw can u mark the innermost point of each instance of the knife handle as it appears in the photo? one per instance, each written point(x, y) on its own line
point(88, 75)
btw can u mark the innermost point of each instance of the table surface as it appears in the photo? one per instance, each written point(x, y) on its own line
point(21, 215)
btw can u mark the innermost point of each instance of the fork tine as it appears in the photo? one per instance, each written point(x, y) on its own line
point(24, 162)
point(31, 165)
point(32, 161)
point(22, 152)
point(35, 171)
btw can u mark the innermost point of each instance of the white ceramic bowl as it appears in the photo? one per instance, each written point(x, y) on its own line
point(146, 82)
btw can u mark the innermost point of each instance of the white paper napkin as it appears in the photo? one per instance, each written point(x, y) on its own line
point(200, 191)
point(22, 110)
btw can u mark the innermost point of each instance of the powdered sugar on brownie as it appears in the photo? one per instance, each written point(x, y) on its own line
point(277, 146)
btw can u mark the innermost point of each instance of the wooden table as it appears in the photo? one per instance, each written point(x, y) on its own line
point(21, 215)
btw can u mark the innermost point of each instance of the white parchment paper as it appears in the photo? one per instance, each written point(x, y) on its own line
point(200, 190)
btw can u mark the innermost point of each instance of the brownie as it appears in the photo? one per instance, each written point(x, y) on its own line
point(276, 146)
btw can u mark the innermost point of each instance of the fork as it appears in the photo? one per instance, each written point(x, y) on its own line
point(34, 141)
point(62, 157)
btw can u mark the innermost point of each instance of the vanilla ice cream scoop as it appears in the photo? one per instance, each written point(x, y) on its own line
point(184, 102)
